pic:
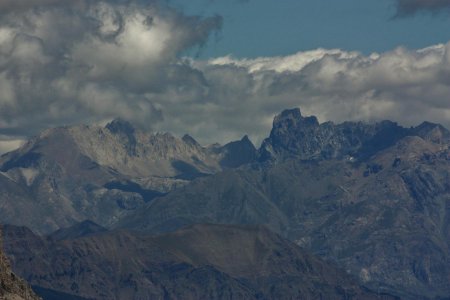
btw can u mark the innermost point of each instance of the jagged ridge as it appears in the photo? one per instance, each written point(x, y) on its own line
point(296, 136)
point(70, 174)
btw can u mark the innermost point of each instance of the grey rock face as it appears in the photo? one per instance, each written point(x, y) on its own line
point(125, 131)
point(296, 136)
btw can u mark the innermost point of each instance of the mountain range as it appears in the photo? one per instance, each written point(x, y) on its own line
point(370, 199)
point(69, 174)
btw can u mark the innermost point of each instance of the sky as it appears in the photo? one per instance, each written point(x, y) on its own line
point(269, 27)
point(220, 69)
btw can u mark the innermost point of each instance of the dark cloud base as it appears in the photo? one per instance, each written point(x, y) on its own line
point(411, 7)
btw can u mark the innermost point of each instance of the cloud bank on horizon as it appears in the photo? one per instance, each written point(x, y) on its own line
point(91, 61)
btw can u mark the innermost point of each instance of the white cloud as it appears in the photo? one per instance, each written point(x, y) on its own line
point(10, 145)
point(64, 64)
point(408, 86)
point(290, 63)
point(17, 5)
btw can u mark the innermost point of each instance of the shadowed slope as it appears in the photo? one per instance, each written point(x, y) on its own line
point(11, 286)
point(200, 262)
point(386, 218)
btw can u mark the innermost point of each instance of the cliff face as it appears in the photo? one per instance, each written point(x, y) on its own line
point(11, 286)
point(300, 137)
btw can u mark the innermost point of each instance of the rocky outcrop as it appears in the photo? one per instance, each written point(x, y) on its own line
point(11, 286)
point(296, 136)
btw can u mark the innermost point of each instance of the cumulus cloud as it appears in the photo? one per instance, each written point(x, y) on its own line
point(19, 6)
point(408, 86)
point(63, 64)
point(411, 7)
point(14, 5)
point(8, 143)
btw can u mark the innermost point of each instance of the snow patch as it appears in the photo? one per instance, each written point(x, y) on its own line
point(29, 175)
point(364, 275)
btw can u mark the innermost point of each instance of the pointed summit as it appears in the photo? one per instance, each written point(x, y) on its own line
point(238, 153)
point(124, 130)
point(433, 132)
point(190, 140)
point(245, 139)
point(120, 125)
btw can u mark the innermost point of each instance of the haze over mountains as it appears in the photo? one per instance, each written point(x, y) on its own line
point(70, 174)
point(371, 199)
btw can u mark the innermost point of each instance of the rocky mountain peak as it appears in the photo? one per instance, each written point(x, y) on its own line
point(126, 131)
point(293, 113)
point(120, 126)
point(433, 132)
point(190, 140)
point(294, 135)
point(292, 118)
point(238, 153)
point(245, 139)
point(426, 126)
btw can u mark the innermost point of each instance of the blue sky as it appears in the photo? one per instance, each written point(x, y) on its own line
point(269, 27)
